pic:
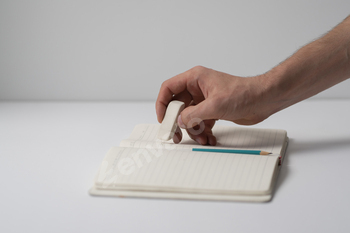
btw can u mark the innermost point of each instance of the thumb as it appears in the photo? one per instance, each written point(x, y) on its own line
point(193, 115)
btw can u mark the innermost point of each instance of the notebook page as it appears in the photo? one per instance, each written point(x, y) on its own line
point(186, 171)
point(270, 140)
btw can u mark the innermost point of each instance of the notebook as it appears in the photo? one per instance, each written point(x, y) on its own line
point(142, 166)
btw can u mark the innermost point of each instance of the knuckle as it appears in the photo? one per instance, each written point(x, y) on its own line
point(198, 70)
point(164, 84)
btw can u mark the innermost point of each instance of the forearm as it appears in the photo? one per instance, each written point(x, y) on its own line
point(312, 69)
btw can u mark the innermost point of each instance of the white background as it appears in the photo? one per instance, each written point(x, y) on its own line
point(124, 50)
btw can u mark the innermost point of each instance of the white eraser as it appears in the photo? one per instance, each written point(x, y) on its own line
point(168, 127)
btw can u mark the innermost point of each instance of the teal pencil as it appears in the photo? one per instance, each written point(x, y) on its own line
point(250, 152)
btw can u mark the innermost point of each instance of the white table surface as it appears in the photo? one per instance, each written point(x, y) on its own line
point(50, 152)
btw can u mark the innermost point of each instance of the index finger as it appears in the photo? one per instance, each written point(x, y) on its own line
point(169, 88)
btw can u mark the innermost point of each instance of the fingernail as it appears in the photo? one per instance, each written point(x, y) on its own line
point(176, 139)
point(180, 123)
point(212, 140)
point(199, 141)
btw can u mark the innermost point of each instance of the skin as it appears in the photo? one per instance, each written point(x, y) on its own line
point(210, 95)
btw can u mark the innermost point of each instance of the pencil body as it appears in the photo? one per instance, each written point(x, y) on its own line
point(250, 152)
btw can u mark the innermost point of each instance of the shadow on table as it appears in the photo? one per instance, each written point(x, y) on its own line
point(302, 147)
point(296, 147)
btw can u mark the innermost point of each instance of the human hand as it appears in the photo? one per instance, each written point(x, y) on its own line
point(210, 95)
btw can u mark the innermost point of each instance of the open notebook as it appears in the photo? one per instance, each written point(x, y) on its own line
point(144, 167)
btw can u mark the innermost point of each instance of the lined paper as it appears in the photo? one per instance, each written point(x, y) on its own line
point(126, 168)
point(270, 140)
point(142, 163)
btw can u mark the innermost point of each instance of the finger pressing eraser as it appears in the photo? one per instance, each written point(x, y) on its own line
point(168, 127)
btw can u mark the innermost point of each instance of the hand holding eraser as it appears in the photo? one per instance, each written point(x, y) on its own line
point(168, 127)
